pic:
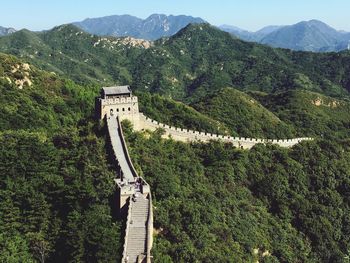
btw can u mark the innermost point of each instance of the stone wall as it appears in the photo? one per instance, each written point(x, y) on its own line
point(185, 135)
point(127, 188)
point(127, 107)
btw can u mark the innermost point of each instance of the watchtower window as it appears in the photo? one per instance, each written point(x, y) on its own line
point(129, 109)
point(123, 109)
point(117, 109)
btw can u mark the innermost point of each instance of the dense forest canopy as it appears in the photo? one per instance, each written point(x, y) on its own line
point(212, 202)
point(216, 203)
point(55, 181)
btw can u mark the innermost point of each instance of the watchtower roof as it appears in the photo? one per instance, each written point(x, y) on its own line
point(116, 90)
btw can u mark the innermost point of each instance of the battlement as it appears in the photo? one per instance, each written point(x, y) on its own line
point(187, 135)
point(117, 101)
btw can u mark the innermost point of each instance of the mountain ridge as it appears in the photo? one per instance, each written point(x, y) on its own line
point(4, 31)
point(312, 35)
point(198, 60)
point(153, 27)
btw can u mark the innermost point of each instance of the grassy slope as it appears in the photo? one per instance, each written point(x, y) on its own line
point(243, 114)
point(310, 113)
point(178, 114)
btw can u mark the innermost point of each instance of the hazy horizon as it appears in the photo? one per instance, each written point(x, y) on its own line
point(249, 15)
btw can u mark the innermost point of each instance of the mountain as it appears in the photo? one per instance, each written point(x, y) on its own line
point(6, 31)
point(290, 200)
point(260, 34)
point(238, 32)
point(45, 123)
point(310, 35)
point(229, 28)
point(248, 35)
point(198, 60)
point(68, 50)
point(267, 30)
point(179, 114)
point(201, 59)
point(151, 28)
point(47, 126)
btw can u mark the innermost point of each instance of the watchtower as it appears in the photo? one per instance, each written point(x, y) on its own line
point(118, 100)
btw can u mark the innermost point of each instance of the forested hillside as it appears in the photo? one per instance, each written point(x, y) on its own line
point(178, 114)
point(244, 115)
point(54, 177)
point(201, 59)
point(71, 52)
point(212, 202)
point(197, 60)
point(311, 113)
point(57, 192)
point(215, 203)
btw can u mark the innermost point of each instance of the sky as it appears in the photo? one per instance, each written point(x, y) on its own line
point(247, 14)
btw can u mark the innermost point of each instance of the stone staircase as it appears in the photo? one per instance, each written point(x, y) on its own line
point(137, 229)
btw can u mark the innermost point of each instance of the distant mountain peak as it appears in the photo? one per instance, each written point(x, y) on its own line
point(231, 28)
point(157, 16)
point(4, 31)
point(203, 28)
point(316, 22)
point(65, 27)
point(268, 29)
point(312, 35)
point(153, 27)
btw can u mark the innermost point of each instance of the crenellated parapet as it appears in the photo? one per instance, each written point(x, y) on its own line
point(187, 135)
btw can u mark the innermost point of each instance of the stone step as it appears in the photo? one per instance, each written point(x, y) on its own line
point(137, 235)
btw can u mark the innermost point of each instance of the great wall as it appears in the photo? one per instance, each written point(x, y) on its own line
point(134, 199)
point(134, 196)
point(186, 135)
